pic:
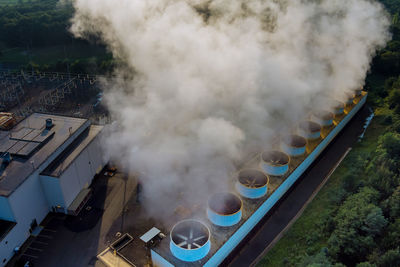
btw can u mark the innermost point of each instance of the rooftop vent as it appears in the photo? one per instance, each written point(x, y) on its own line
point(190, 240)
point(294, 145)
point(252, 183)
point(275, 162)
point(49, 123)
point(224, 209)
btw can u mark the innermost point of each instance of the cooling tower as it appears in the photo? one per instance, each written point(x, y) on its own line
point(252, 183)
point(310, 130)
point(224, 209)
point(275, 163)
point(323, 117)
point(190, 240)
point(338, 107)
point(294, 145)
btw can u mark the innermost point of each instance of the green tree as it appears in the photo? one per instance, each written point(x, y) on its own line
point(390, 259)
point(357, 222)
point(392, 235)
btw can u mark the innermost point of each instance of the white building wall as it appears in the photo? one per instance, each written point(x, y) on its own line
point(96, 156)
point(70, 185)
point(81, 171)
point(52, 190)
point(27, 203)
point(5, 210)
point(83, 168)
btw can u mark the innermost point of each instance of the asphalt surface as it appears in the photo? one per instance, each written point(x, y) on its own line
point(286, 209)
point(75, 241)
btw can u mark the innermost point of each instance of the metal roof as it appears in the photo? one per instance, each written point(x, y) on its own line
point(36, 147)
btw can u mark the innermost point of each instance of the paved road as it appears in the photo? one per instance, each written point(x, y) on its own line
point(275, 222)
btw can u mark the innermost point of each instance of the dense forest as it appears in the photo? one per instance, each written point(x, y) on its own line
point(35, 24)
point(41, 27)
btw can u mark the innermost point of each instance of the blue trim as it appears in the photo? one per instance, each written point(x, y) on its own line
point(224, 220)
point(190, 255)
point(251, 192)
point(308, 135)
point(158, 260)
point(249, 224)
point(274, 170)
point(293, 151)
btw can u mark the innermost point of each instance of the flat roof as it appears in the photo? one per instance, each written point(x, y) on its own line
point(64, 160)
point(23, 165)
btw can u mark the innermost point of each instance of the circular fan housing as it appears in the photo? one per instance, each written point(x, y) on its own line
point(190, 240)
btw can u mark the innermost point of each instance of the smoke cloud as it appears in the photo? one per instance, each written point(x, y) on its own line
point(204, 83)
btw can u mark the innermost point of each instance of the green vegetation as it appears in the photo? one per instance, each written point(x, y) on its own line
point(34, 34)
point(355, 219)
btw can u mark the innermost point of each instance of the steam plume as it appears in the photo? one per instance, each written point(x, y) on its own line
point(203, 82)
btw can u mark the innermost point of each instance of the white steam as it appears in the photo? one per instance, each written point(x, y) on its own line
point(203, 83)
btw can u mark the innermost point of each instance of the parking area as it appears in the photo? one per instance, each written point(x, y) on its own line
point(67, 241)
point(36, 246)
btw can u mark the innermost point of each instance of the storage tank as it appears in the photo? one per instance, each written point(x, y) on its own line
point(275, 162)
point(323, 117)
point(252, 183)
point(294, 145)
point(224, 209)
point(310, 130)
point(190, 240)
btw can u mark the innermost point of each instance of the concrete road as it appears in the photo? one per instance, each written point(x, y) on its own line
point(253, 247)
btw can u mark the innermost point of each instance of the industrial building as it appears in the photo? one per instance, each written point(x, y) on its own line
point(47, 164)
point(261, 182)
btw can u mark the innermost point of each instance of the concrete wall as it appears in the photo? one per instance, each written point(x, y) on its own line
point(27, 202)
point(5, 210)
